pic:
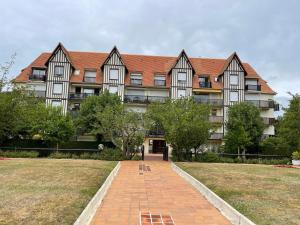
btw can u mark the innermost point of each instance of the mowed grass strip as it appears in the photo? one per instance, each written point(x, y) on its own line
point(48, 191)
point(265, 194)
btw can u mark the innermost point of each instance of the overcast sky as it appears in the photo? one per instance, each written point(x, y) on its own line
point(265, 33)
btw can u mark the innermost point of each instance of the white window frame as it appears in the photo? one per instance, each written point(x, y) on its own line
point(136, 76)
point(56, 103)
point(113, 89)
point(180, 93)
point(88, 90)
point(114, 76)
point(180, 80)
point(234, 81)
point(38, 72)
point(233, 96)
point(90, 75)
point(57, 88)
point(60, 71)
point(159, 79)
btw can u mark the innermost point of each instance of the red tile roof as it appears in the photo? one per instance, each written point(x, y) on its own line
point(147, 65)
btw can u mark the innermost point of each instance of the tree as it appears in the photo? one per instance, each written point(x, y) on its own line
point(123, 128)
point(87, 122)
point(52, 125)
point(289, 125)
point(18, 110)
point(244, 128)
point(4, 71)
point(185, 123)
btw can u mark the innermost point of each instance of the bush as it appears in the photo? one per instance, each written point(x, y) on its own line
point(60, 155)
point(111, 154)
point(19, 154)
point(274, 146)
point(207, 157)
point(296, 155)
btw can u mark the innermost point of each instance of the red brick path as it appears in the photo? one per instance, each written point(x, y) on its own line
point(156, 189)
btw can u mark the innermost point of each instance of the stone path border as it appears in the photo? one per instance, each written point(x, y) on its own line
point(235, 217)
point(88, 213)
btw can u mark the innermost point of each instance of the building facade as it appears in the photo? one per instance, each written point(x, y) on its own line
point(65, 78)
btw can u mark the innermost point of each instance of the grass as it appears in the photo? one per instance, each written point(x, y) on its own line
point(48, 191)
point(265, 194)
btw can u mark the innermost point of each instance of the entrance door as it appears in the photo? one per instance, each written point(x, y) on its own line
point(159, 146)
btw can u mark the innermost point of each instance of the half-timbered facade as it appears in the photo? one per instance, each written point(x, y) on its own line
point(65, 78)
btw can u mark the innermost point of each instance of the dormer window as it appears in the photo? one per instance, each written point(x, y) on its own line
point(58, 70)
point(204, 82)
point(181, 77)
point(136, 79)
point(39, 72)
point(160, 80)
point(90, 76)
point(113, 74)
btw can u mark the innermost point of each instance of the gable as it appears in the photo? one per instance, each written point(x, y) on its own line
point(114, 58)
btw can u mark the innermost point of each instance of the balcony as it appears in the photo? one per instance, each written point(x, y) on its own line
point(251, 87)
point(264, 104)
point(37, 77)
point(204, 100)
point(205, 84)
point(155, 133)
point(216, 119)
point(268, 121)
point(141, 99)
point(216, 136)
point(80, 95)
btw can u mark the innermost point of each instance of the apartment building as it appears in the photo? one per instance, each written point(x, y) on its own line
point(65, 78)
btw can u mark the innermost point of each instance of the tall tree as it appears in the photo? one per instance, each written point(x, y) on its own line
point(244, 128)
point(4, 71)
point(185, 123)
point(87, 122)
point(289, 125)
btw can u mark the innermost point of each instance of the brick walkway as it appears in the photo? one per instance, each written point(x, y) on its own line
point(153, 189)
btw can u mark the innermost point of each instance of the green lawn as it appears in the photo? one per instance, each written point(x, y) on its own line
point(265, 194)
point(48, 191)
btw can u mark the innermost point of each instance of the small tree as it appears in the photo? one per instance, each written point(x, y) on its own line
point(87, 121)
point(53, 125)
point(244, 128)
point(185, 123)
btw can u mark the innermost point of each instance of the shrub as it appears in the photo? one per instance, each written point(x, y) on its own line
point(111, 154)
point(19, 154)
point(60, 155)
point(296, 155)
point(208, 157)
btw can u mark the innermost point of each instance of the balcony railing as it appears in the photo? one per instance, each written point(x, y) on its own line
point(37, 77)
point(143, 99)
point(264, 104)
point(251, 87)
point(268, 121)
point(216, 119)
point(80, 95)
point(205, 84)
point(216, 136)
point(155, 133)
point(40, 94)
point(159, 83)
point(214, 102)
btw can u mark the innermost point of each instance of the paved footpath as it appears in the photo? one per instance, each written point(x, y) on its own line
point(150, 192)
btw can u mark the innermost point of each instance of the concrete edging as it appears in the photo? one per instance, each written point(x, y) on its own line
point(235, 217)
point(89, 211)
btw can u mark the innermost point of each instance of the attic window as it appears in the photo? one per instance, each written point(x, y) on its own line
point(136, 79)
point(160, 80)
point(90, 76)
point(38, 72)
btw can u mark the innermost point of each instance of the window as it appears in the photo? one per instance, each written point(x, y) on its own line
point(160, 80)
point(234, 79)
point(214, 112)
point(203, 82)
point(57, 88)
point(56, 103)
point(136, 79)
point(181, 93)
point(90, 76)
point(88, 92)
point(58, 70)
point(181, 77)
point(233, 96)
point(113, 74)
point(113, 89)
point(39, 72)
